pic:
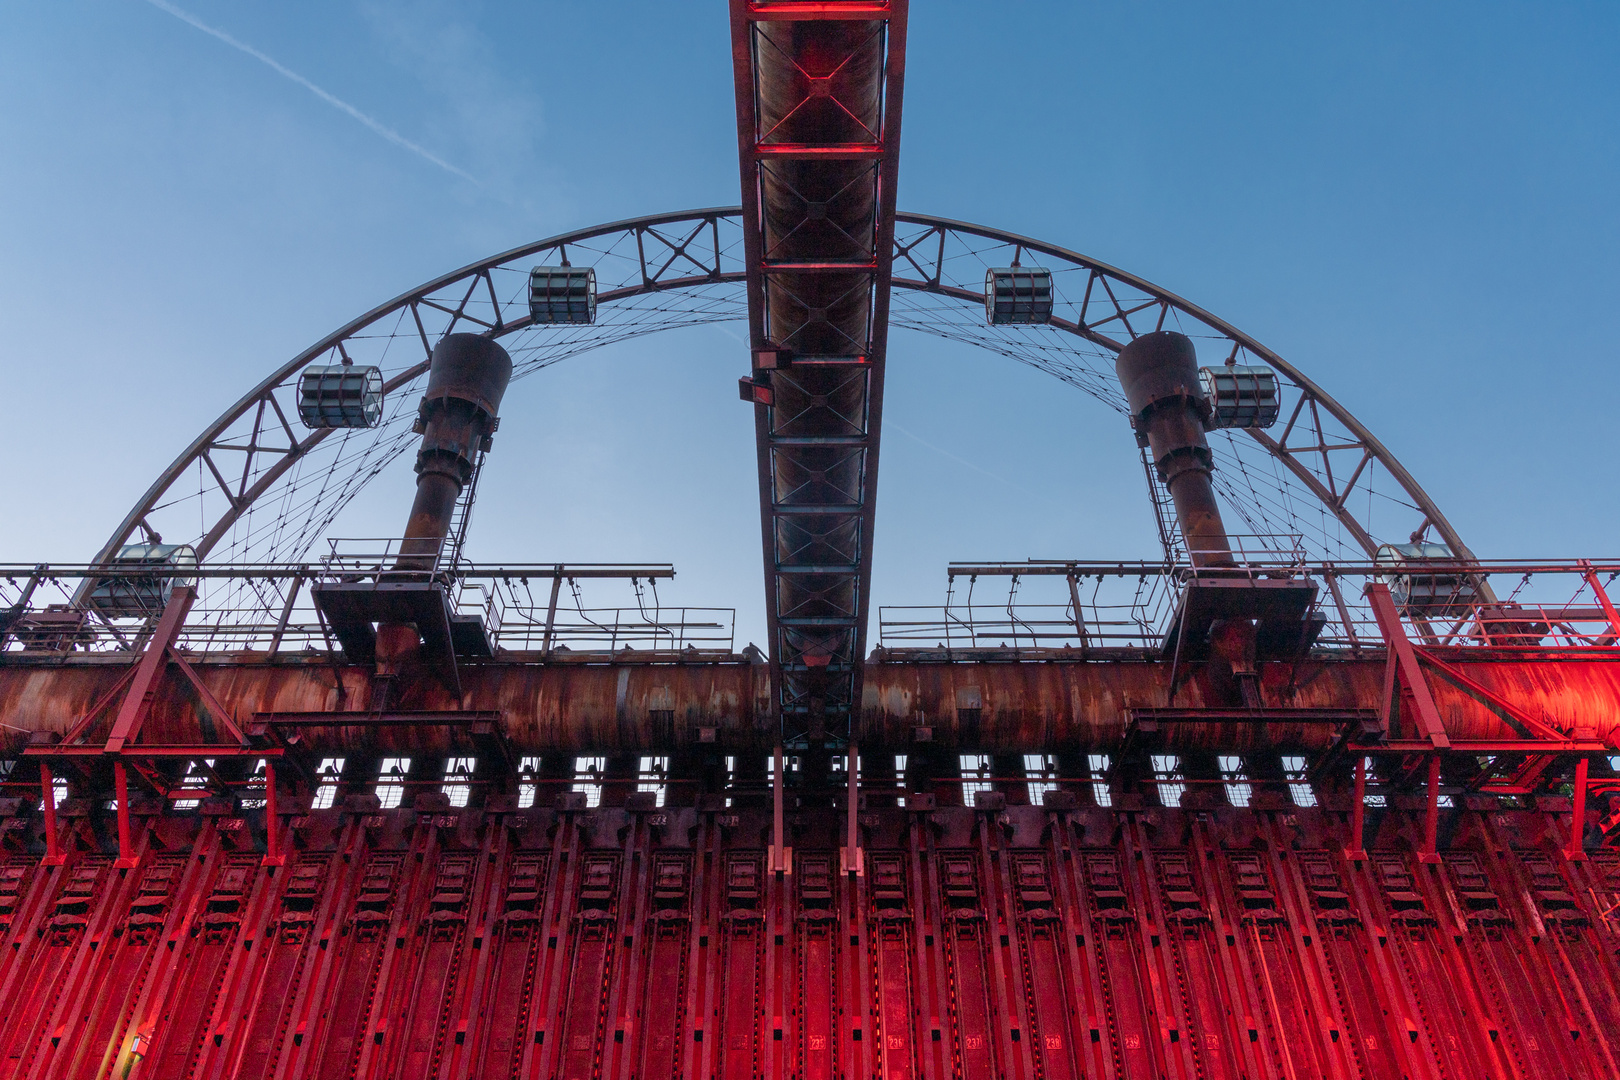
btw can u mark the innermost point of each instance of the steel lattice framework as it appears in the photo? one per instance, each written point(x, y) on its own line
point(255, 486)
point(818, 131)
point(1135, 842)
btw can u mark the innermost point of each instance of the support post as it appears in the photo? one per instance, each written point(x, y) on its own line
point(780, 852)
point(1348, 623)
point(1403, 662)
point(1079, 616)
point(852, 836)
point(126, 853)
point(1575, 851)
point(27, 595)
point(53, 846)
point(286, 613)
point(1603, 601)
point(551, 613)
point(1357, 850)
point(272, 820)
point(1431, 817)
point(148, 670)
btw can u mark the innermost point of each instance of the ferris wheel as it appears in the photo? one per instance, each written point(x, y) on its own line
point(267, 480)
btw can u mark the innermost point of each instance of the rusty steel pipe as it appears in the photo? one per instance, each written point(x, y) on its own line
point(608, 707)
point(1159, 374)
point(459, 413)
point(467, 377)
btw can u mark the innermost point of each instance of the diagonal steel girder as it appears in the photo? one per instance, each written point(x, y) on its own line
point(818, 131)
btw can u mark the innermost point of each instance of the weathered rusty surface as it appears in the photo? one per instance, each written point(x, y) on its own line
point(1083, 704)
point(1159, 374)
point(466, 381)
point(1055, 705)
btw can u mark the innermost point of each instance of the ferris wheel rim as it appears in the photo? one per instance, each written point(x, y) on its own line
point(1310, 390)
point(1381, 452)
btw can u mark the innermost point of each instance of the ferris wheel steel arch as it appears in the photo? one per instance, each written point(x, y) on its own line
point(686, 252)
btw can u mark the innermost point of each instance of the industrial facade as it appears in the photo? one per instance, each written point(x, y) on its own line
point(1328, 797)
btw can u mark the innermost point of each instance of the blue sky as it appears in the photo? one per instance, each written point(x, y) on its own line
point(1415, 203)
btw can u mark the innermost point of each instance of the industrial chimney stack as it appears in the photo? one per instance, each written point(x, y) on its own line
point(458, 416)
point(1159, 373)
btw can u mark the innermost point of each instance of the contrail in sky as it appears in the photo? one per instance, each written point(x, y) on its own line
point(960, 461)
point(381, 129)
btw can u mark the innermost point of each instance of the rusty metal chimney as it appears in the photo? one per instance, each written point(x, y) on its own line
point(457, 419)
point(467, 378)
point(1159, 373)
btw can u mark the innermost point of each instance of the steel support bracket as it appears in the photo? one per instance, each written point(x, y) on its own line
point(1402, 673)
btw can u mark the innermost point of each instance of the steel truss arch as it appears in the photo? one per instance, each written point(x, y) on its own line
point(686, 268)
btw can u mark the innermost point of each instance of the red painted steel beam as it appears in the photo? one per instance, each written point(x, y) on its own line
point(831, 151)
point(1431, 816)
point(126, 853)
point(1465, 747)
point(1357, 850)
point(82, 724)
point(272, 818)
point(136, 704)
point(1575, 850)
point(794, 11)
point(1527, 724)
point(142, 751)
point(1403, 664)
point(212, 703)
point(1602, 595)
point(47, 790)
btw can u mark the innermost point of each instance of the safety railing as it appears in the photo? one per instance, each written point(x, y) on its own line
point(1249, 555)
point(270, 608)
point(1443, 603)
point(614, 629)
point(1037, 605)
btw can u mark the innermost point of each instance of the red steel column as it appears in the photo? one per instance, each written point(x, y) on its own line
point(126, 858)
point(779, 855)
point(852, 862)
point(150, 667)
point(1574, 852)
point(272, 822)
point(1431, 817)
point(1603, 600)
point(1357, 850)
point(47, 786)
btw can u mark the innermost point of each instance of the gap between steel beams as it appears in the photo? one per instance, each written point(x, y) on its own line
point(820, 440)
point(795, 510)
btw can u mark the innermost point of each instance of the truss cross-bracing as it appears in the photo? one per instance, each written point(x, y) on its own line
point(818, 129)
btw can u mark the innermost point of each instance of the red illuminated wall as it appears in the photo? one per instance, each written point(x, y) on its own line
point(1015, 943)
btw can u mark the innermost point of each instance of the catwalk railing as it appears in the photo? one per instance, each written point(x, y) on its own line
point(523, 607)
point(1045, 604)
point(1076, 604)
